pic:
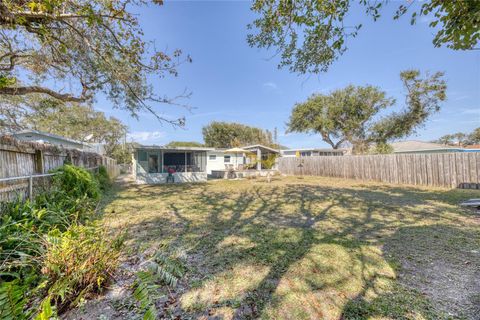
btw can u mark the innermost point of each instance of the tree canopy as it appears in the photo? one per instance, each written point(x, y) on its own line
point(460, 138)
point(351, 115)
point(86, 46)
point(176, 144)
point(227, 135)
point(309, 35)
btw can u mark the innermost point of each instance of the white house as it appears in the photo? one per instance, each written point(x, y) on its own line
point(153, 164)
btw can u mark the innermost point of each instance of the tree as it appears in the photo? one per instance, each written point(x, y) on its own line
point(310, 35)
point(179, 144)
point(474, 137)
point(460, 138)
point(347, 115)
point(89, 47)
point(227, 135)
point(446, 139)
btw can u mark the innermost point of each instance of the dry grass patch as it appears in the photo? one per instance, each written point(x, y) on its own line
point(311, 248)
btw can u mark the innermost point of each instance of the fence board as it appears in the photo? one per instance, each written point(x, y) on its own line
point(18, 161)
point(461, 170)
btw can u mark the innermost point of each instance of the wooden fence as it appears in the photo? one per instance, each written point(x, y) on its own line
point(458, 170)
point(32, 161)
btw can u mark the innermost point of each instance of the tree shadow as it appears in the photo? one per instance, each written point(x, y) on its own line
point(437, 273)
point(278, 228)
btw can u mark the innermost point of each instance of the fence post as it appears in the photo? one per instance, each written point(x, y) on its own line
point(30, 188)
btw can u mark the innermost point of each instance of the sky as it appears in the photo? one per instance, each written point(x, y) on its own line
point(233, 82)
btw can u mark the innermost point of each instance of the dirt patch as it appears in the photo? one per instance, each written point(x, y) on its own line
point(443, 263)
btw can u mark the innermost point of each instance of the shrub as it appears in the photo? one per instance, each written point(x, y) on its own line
point(78, 263)
point(73, 261)
point(103, 178)
point(269, 162)
point(76, 182)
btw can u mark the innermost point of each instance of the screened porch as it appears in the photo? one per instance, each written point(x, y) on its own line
point(154, 164)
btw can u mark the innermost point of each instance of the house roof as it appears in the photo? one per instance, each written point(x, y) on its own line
point(155, 147)
point(473, 146)
point(415, 145)
point(48, 135)
point(260, 146)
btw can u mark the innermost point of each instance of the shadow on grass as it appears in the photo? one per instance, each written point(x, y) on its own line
point(308, 250)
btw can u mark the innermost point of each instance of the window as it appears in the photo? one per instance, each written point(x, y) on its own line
point(212, 157)
point(153, 163)
point(142, 155)
point(226, 159)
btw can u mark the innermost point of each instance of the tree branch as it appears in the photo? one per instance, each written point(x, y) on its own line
point(19, 91)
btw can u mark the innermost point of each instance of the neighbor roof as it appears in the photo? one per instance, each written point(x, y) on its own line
point(48, 135)
point(415, 145)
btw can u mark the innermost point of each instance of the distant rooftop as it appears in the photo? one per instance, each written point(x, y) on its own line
point(416, 145)
point(48, 135)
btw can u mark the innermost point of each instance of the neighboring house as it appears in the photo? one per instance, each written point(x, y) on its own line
point(414, 146)
point(53, 139)
point(312, 152)
point(472, 148)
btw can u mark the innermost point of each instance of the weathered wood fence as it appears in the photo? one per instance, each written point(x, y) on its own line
point(458, 170)
point(33, 161)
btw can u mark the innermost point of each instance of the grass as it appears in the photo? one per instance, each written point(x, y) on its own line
point(309, 248)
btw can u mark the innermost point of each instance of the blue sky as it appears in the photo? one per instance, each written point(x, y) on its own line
point(230, 81)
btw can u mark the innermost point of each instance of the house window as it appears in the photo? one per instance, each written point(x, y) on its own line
point(142, 156)
point(212, 157)
point(153, 163)
point(226, 159)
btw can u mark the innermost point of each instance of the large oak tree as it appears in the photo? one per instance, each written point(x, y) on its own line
point(309, 35)
point(71, 50)
point(351, 115)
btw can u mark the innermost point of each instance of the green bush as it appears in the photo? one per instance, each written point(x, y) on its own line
point(103, 178)
point(269, 162)
point(50, 251)
point(77, 182)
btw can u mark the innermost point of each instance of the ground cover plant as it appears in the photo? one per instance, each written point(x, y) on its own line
point(52, 253)
point(304, 248)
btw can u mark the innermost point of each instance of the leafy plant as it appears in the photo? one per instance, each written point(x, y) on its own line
point(145, 292)
point(103, 178)
point(50, 251)
point(77, 182)
point(12, 300)
point(46, 311)
point(161, 270)
point(78, 263)
point(269, 162)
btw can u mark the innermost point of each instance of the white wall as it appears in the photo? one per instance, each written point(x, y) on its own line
point(143, 177)
point(219, 162)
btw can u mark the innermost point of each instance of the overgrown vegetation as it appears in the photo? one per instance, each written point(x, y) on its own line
point(52, 253)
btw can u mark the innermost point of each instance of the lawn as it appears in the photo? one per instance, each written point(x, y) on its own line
point(305, 248)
